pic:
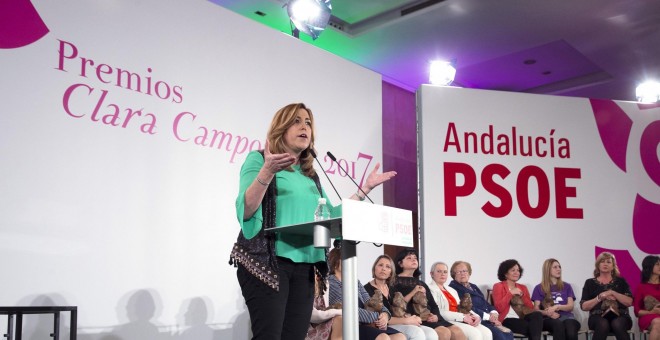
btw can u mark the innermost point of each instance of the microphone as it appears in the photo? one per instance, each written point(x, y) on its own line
point(326, 175)
point(334, 159)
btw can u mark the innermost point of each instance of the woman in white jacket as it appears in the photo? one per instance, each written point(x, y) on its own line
point(447, 299)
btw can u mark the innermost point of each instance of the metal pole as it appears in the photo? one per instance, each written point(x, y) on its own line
point(349, 282)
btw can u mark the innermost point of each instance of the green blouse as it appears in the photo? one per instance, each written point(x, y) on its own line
point(297, 198)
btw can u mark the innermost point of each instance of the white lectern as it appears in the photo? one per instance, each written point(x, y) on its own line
point(360, 221)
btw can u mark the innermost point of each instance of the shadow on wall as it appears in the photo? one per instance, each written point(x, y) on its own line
point(195, 313)
point(142, 308)
point(241, 324)
point(40, 326)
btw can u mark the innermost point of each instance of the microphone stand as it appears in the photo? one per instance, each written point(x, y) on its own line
point(326, 175)
point(334, 159)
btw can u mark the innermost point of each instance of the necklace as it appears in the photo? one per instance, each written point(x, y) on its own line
point(654, 279)
point(383, 287)
point(604, 280)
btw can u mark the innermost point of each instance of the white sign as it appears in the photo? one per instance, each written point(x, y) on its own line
point(368, 222)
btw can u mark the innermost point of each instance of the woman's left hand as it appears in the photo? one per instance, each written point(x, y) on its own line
point(494, 318)
point(477, 319)
point(656, 309)
point(432, 318)
point(552, 309)
point(608, 295)
point(382, 320)
point(375, 179)
point(516, 291)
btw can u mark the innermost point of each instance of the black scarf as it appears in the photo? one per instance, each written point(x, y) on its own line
point(257, 255)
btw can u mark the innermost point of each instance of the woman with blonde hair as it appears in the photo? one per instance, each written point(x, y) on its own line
point(554, 298)
point(607, 297)
point(382, 272)
point(372, 325)
point(278, 186)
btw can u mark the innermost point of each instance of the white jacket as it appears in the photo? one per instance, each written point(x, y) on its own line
point(443, 303)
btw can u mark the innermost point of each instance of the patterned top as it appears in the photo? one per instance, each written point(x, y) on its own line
point(297, 198)
point(335, 295)
point(592, 287)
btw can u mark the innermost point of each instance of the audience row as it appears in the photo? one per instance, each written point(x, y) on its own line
point(397, 305)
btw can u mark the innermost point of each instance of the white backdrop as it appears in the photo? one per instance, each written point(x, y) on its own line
point(599, 197)
point(133, 219)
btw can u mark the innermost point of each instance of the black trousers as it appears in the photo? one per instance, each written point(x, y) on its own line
point(566, 329)
point(280, 315)
point(602, 326)
point(531, 325)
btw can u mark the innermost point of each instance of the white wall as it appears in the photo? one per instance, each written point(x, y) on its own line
point(135, 228)
point(605, 193)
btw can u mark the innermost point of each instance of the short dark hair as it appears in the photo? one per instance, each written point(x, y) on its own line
point(401, 255)
point(647, 267)
point(505, 266)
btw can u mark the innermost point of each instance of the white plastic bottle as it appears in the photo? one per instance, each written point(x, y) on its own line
point(322, 212)
point(321, 232)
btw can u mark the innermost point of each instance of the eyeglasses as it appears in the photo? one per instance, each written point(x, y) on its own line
point(461, 272)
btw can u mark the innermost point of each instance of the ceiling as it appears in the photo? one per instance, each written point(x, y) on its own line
point(585, 48)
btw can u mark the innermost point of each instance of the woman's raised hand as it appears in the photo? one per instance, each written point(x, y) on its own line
point(375, 179)
point(275, 162)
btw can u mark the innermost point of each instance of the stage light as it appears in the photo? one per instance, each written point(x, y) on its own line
point(442, 72)
point(648, 92)
point(309, 16)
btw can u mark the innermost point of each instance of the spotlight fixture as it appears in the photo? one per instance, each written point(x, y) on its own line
point(648, 92)
point(309, 16)
point(442, 72)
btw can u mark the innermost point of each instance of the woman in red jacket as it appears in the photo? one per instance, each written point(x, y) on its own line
point(529, 322)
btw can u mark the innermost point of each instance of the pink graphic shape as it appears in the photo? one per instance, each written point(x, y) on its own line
point(20, 24)
point(614, 127)
point(646, 225)
point(627, 266)
point(648, 151)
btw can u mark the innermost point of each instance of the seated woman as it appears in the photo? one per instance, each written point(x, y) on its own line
point(460, 272)
point(554, 298)
point(523, 318)
point(447, 299)
point(326, 323)
point(648, 316)
point(411, 325)
point(408, 283)
point(607, 289)
point(373, 325)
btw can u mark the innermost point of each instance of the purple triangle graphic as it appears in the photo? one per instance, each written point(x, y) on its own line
point(614, 129)
point(20, 24)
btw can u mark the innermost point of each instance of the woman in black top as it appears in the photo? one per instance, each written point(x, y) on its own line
point(607, 288)
point(408, 283)
point(383, 278)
